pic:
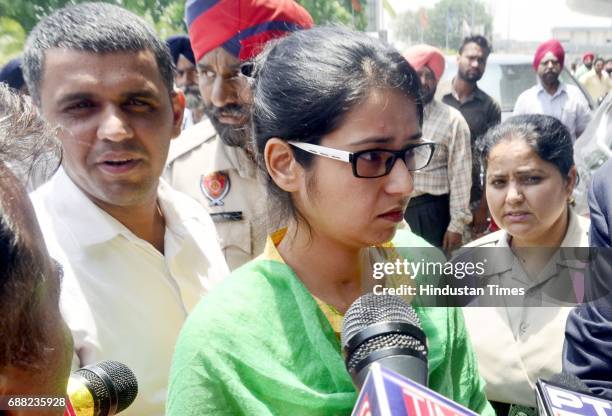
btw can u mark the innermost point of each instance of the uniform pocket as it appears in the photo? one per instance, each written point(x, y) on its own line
point(235, 240)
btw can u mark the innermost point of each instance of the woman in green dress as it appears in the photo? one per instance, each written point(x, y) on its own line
point(337, 129)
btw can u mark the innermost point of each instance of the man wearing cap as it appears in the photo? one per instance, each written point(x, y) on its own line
point(211, 161)
point(587, 64)
point(439, 208)
point(186, 78)
point(551, 96)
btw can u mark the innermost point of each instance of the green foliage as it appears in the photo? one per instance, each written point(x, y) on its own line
point(336, 11)
point(406, 27)
point(12, 38)
point(445, 22)
point(20, 16)
point(28, 12)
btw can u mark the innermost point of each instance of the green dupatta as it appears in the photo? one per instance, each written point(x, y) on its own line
point(259, 344)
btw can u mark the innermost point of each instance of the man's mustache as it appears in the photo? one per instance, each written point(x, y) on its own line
point(132, 147)
point(232, 110)
point(192, 90)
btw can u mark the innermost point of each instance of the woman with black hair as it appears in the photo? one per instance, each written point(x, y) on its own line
point(530, 177)
point(337, 127)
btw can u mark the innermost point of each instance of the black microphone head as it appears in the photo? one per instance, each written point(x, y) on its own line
point(366, 313)
point(113, 385)
point(570, 382)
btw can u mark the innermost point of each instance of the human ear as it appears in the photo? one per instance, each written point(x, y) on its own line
point(281, 165)
point(572, 179)
point(177, 99)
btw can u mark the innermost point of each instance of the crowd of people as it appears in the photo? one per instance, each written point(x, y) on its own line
point(205, 210)
point(595, 75)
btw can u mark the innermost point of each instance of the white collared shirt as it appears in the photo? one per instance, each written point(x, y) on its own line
point(567, 104)
point(128, 301)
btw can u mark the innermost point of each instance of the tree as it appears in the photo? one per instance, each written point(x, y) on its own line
point(347, 12)
point(12, 38)
point(410, 27)
point(449, 20)
point(445, 24)
point(20, 16)
point(29, 12)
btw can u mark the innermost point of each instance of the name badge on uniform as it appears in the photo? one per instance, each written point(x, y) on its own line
point(226, 216)
point(215, 187)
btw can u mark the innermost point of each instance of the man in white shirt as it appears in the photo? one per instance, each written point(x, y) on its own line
point(551, 96)
point(142, 254)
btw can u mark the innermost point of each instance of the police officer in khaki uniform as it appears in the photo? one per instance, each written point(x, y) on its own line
point(530, 176)
point(223, 179)
point(210, 161)
point(525, 341)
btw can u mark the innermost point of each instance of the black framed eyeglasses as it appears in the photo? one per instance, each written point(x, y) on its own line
point(374, 163)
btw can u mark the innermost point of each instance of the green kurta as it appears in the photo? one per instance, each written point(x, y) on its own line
point(259, 344)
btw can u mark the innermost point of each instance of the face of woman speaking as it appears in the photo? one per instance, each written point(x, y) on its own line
point(527, 196)
point(360, 212)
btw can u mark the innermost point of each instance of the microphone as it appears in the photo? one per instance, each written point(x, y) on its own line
point(101, 389)
point(386, 330)
point(566, 395)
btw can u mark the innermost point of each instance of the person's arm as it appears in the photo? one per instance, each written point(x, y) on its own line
point(583, 115)
point(600, 199)
point(587, 352)
point(494, 114)
point(481, 215)
point(520, 105)
point(459, 168)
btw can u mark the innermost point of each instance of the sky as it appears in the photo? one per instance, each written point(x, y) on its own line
point(523, 19)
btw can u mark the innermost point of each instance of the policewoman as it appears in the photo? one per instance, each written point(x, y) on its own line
point(530, 176)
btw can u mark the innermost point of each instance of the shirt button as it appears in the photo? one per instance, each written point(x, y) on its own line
point(523, 328)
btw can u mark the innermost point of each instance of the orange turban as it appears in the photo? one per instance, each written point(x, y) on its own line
point(241, 27)
point(420, 55)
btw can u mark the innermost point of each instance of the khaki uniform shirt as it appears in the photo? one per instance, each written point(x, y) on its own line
point(224, 180)
point(517, 345)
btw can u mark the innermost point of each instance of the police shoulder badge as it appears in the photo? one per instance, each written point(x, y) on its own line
point(215, 187)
